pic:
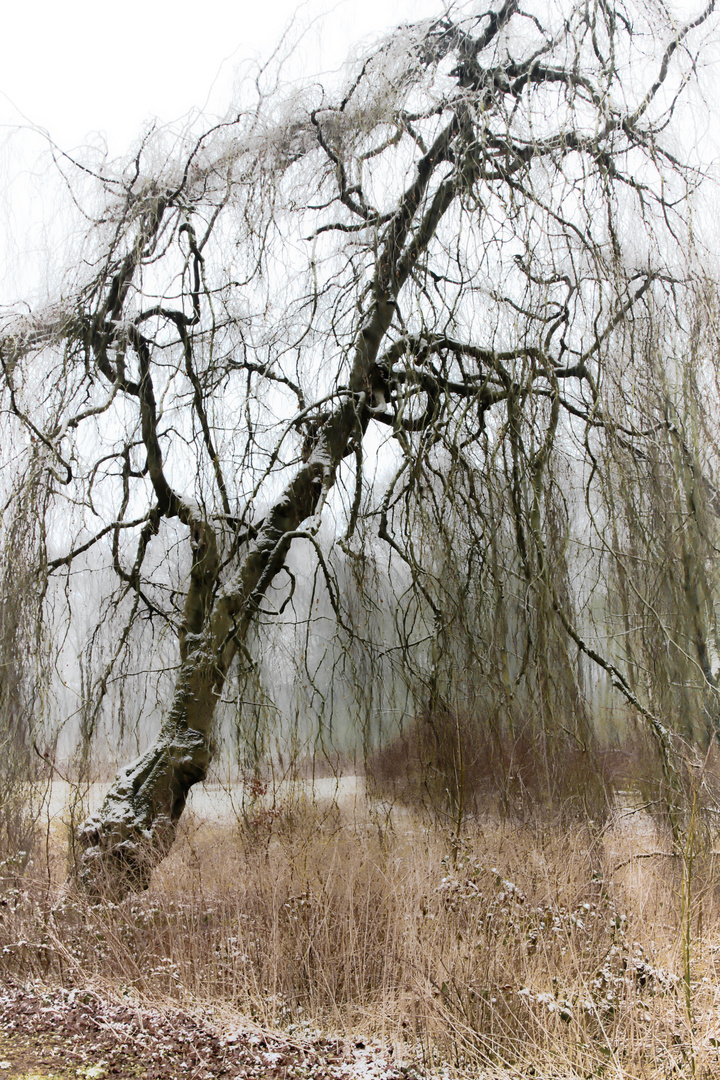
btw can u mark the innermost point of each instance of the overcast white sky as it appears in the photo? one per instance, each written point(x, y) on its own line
point(92, 70)
point(99, 72)
point(80, 67)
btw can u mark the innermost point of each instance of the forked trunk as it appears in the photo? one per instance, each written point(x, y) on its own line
point(135, 826)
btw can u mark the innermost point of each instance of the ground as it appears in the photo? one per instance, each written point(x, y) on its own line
point(56, 1034)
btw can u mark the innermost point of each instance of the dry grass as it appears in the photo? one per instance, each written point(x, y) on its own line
point(548, 950)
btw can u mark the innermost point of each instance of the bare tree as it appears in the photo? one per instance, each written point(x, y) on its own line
point(24, 667)
point(444, 267)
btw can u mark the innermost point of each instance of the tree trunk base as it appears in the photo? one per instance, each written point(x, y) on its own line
point(134, 828)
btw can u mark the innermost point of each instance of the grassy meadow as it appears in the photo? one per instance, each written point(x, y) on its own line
point(537, 947)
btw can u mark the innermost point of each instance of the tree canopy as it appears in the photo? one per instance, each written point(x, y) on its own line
point(449, 317)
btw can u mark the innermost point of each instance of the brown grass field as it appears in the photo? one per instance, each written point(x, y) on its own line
point(534, 948)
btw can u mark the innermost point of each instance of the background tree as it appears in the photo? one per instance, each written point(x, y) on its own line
point(440, 281)
point(25, 666)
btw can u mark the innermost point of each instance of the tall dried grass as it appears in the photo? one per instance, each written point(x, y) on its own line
point(546, 948)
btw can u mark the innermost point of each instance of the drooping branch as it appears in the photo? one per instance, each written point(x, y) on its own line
point(467, 289)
